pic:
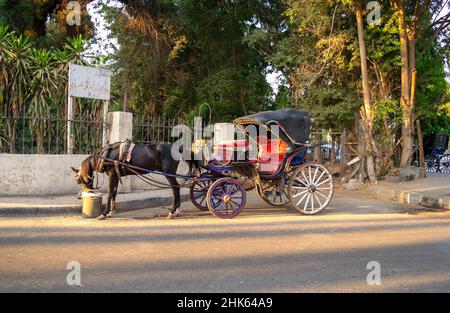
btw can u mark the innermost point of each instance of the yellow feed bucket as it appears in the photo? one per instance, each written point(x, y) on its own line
point(92, 205)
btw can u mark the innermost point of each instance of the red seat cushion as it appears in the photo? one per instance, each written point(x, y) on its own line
point(233, 144)
point(271, 154)
point(224, 151)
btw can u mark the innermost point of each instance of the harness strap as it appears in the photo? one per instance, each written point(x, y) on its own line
point(116, 166)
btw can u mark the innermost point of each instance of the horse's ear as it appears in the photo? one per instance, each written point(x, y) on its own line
point(75, 170)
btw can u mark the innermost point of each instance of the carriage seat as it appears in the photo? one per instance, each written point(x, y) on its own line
point(271, 154)
point(224, 152)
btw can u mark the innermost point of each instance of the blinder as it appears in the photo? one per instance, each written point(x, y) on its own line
point(86, 183)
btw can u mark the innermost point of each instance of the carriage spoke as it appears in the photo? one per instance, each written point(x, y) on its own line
point(317, 198)
point(198, 196)
point(235, 202)
point(325, 181)
point(322, 194)
point(304, 176)
point(298, 180)
point(321, 176)
point(301, 200)
point(203, 200)
point(235, 192)
point(315, 175)
point(300, 193)
point(307, 201)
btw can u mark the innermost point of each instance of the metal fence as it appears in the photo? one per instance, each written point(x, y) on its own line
point(154, 129)
point(30, 134)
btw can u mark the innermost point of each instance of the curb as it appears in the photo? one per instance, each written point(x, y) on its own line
point(123, 206)
point(411, 198)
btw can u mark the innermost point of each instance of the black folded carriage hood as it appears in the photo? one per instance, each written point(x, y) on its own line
point(296, 123)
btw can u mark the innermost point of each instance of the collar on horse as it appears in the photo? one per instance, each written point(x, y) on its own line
point(102, 159)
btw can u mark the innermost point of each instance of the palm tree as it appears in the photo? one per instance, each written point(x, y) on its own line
point(5, 41)
point(19, 52)
point(43, 87)
point(73, 52)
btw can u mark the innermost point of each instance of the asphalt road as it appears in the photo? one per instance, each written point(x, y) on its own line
point(263, 250)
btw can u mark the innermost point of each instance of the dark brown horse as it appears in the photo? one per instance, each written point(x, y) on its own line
point(153, 157)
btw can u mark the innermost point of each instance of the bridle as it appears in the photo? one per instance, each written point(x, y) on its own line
point(86, 180)
point(81, 177)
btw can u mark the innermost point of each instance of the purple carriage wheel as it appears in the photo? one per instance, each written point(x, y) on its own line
point(198, 192)
point(226, 198)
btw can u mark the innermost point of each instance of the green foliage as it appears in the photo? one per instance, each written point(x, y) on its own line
point(317, 56)
point(432, 92)
point(333, 107)
point(210, 52)
point(33, 81)
point(17, 14)
point(174, 55)
point(44, 20)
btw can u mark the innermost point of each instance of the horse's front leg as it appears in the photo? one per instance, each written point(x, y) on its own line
point(174, 212)
point(113, 183)
point(112, 205)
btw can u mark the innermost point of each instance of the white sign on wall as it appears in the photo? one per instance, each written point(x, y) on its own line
point(89, 82)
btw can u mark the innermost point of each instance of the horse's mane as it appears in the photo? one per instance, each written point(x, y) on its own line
point(86, 169)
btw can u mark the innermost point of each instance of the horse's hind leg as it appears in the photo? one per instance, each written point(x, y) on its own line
point(176, 197)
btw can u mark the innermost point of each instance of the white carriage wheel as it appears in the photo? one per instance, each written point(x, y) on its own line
point(311, 188)
point(444, 164)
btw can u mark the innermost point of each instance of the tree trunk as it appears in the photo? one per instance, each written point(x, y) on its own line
point(408, 82)
point(318, 147)
point(367, 110)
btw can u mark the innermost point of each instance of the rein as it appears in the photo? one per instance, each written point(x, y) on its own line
point(98, 160)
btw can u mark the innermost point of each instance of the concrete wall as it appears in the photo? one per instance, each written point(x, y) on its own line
point(38, 174)
point(51, 174)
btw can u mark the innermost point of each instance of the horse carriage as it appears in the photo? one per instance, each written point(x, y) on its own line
point(279, 172)
point(270, 157)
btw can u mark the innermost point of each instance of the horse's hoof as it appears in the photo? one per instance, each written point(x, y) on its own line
point(101, 218)
point(172, 216)
point(110, 215)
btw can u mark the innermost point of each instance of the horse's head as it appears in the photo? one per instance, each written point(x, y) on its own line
point(84, 175)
